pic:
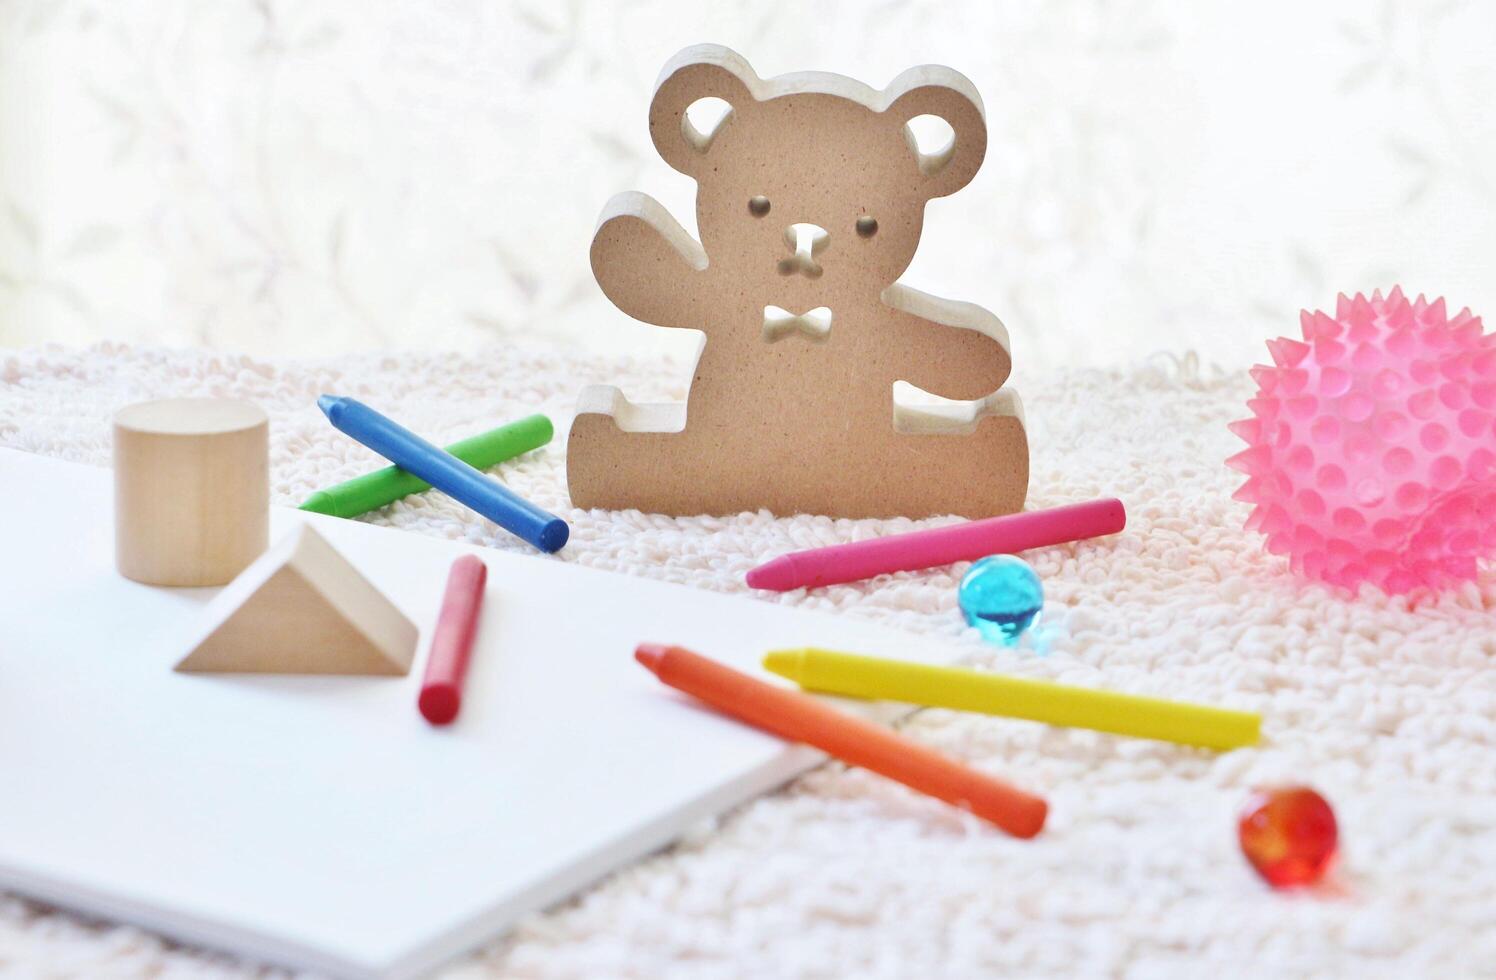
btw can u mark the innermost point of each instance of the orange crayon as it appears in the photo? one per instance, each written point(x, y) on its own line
point(800, 718)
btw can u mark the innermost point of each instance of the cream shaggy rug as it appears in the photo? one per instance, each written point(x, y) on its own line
point(1389, 710)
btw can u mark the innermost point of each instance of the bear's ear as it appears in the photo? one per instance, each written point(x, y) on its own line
point(932, 90)
point(704, 71)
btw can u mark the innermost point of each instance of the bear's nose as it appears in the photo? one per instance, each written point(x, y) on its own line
point(805, 241)
point(807, 238)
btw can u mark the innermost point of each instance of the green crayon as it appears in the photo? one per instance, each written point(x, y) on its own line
point(374, 490)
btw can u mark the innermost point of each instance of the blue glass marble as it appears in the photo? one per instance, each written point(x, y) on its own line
point(1000, 595)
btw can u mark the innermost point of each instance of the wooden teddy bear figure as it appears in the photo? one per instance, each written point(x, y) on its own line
point(811, 197)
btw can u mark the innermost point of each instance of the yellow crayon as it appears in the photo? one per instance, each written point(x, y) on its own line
point(851, 675)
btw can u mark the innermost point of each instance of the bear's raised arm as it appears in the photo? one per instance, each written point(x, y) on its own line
point(647, 264)
point(947, 348)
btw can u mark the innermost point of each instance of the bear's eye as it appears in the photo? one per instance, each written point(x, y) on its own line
point(867, 226)
point(758, 206)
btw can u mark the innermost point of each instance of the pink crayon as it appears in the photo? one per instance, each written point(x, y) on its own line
point(452, 642)
point(940, 546)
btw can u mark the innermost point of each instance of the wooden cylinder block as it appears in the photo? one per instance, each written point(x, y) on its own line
point(191, 490)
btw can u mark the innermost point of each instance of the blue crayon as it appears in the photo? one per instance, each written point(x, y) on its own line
point(445, 472)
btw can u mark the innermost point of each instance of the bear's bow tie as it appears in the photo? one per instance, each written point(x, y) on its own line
point(780, 323)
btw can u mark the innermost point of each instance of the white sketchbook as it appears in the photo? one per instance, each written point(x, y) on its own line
point(319, 822)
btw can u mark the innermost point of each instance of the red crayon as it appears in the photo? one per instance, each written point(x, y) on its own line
point(800, 718)
point(452, 642)
point(940, 546)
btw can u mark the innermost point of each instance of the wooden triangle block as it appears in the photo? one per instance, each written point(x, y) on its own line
point(301, 608)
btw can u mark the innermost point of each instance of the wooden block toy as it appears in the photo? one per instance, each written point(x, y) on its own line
point(810, 203)
point(301, 608)
point(191, 490)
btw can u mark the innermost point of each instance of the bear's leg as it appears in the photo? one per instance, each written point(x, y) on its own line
point(611, 469)
point(976, 468)
point(621, 456)
point(981, 474)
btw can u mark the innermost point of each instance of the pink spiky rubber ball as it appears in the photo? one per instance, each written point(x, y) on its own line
point(1372, 445)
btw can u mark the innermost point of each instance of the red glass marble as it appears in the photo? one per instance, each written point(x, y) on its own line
point(1289, 835)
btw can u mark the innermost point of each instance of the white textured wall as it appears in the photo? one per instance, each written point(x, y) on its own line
point(323, 175)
